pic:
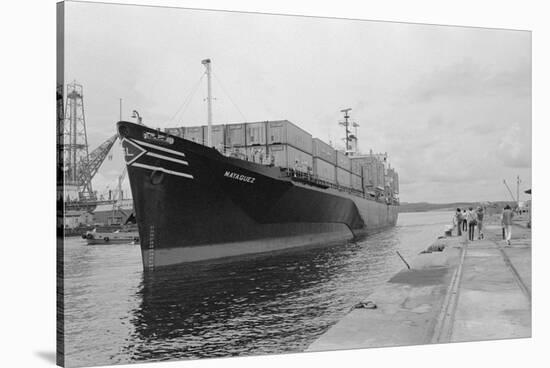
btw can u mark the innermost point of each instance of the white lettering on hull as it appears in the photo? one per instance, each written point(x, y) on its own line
point(246, 179)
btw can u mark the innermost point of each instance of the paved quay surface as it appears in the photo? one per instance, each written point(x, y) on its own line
point(471, 291)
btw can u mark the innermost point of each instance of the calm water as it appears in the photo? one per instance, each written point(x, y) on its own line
point(252, 305)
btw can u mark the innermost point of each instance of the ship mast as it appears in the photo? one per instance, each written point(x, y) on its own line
point(345, 123)
point(207, 65)
point(518, 182)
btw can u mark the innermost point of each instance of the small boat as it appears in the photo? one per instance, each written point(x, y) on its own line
point(124, 235)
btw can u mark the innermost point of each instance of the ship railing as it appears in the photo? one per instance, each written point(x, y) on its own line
point(312, 179)
point(267, 160)
point(237, 152)
point(308, 177)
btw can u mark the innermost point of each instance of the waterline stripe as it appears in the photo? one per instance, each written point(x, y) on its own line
point(167, 158)
point(160, 148)
point(188, 176)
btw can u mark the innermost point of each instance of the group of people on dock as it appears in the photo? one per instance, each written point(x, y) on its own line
point(470, 219)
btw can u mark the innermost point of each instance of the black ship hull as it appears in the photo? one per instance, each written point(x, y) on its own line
point(192, 203)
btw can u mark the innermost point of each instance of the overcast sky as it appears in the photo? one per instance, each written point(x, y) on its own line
point(450, 105)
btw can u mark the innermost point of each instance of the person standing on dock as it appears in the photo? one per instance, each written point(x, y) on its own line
point(464, 221)
point(480, 214)
point(457, 220)
point(506, 219)
point(471, 218)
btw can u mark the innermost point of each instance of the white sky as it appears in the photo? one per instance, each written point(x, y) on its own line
point(451, 105)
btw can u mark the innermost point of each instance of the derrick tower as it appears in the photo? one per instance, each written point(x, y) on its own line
point(74, 144)
point(59, 139)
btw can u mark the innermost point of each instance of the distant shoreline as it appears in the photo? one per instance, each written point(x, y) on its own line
point(426, 207)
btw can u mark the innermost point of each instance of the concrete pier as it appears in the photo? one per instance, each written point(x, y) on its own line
point(470, 291)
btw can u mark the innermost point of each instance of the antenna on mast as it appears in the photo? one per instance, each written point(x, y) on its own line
point(517, 197)
point(353, 138)
point(207, 65)
point(346, 123)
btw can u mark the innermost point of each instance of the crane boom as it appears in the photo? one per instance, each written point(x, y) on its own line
point(118, 194)
point(509, 191)
point(95, 159)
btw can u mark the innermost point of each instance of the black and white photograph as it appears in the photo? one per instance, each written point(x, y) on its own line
point(234, 184)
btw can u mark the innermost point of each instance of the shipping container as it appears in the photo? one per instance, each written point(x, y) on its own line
point(287, 156)
point(238, 152)
point(390, 179)
point(324, 170)
point(323, 150)
point(343, 177)
point(284, 132)
point(235, 135)
point(194, 134)
point(369, 176)
point(373, 169)
point(256, 133)
point(343, 161)
point(218, 136)
point(258, 154)
point(382, 170)
point(357, 165)
point(381, 175)
point(178, 132)
point(396, 182)
point(389, 175)
point(373, 174)
point(357, 182)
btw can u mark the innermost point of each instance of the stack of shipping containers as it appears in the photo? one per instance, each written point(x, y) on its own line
point(396, 182)
point(373, 172)
point(235, 135)
point(389, 182)
point(381, 171)
point(343, 169)
point(324, 161)
point(218, 136)
point(283, 144)
point(195, 134)
point(235, 139)
point(356, 175)
point(289, 146)
point(256, 142)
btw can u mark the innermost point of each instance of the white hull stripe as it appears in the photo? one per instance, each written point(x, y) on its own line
point(159, 148)
point(167, 158)
point(138, 147)
point(188, 176)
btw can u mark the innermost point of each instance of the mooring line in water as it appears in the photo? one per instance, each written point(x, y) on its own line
point(403, 259)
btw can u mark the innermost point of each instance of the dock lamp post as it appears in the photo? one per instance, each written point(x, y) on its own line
point(135, 115)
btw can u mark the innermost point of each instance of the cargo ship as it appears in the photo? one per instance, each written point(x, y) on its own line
point(269, 186)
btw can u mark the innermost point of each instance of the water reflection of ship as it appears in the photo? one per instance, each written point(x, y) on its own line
point(233, 308)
